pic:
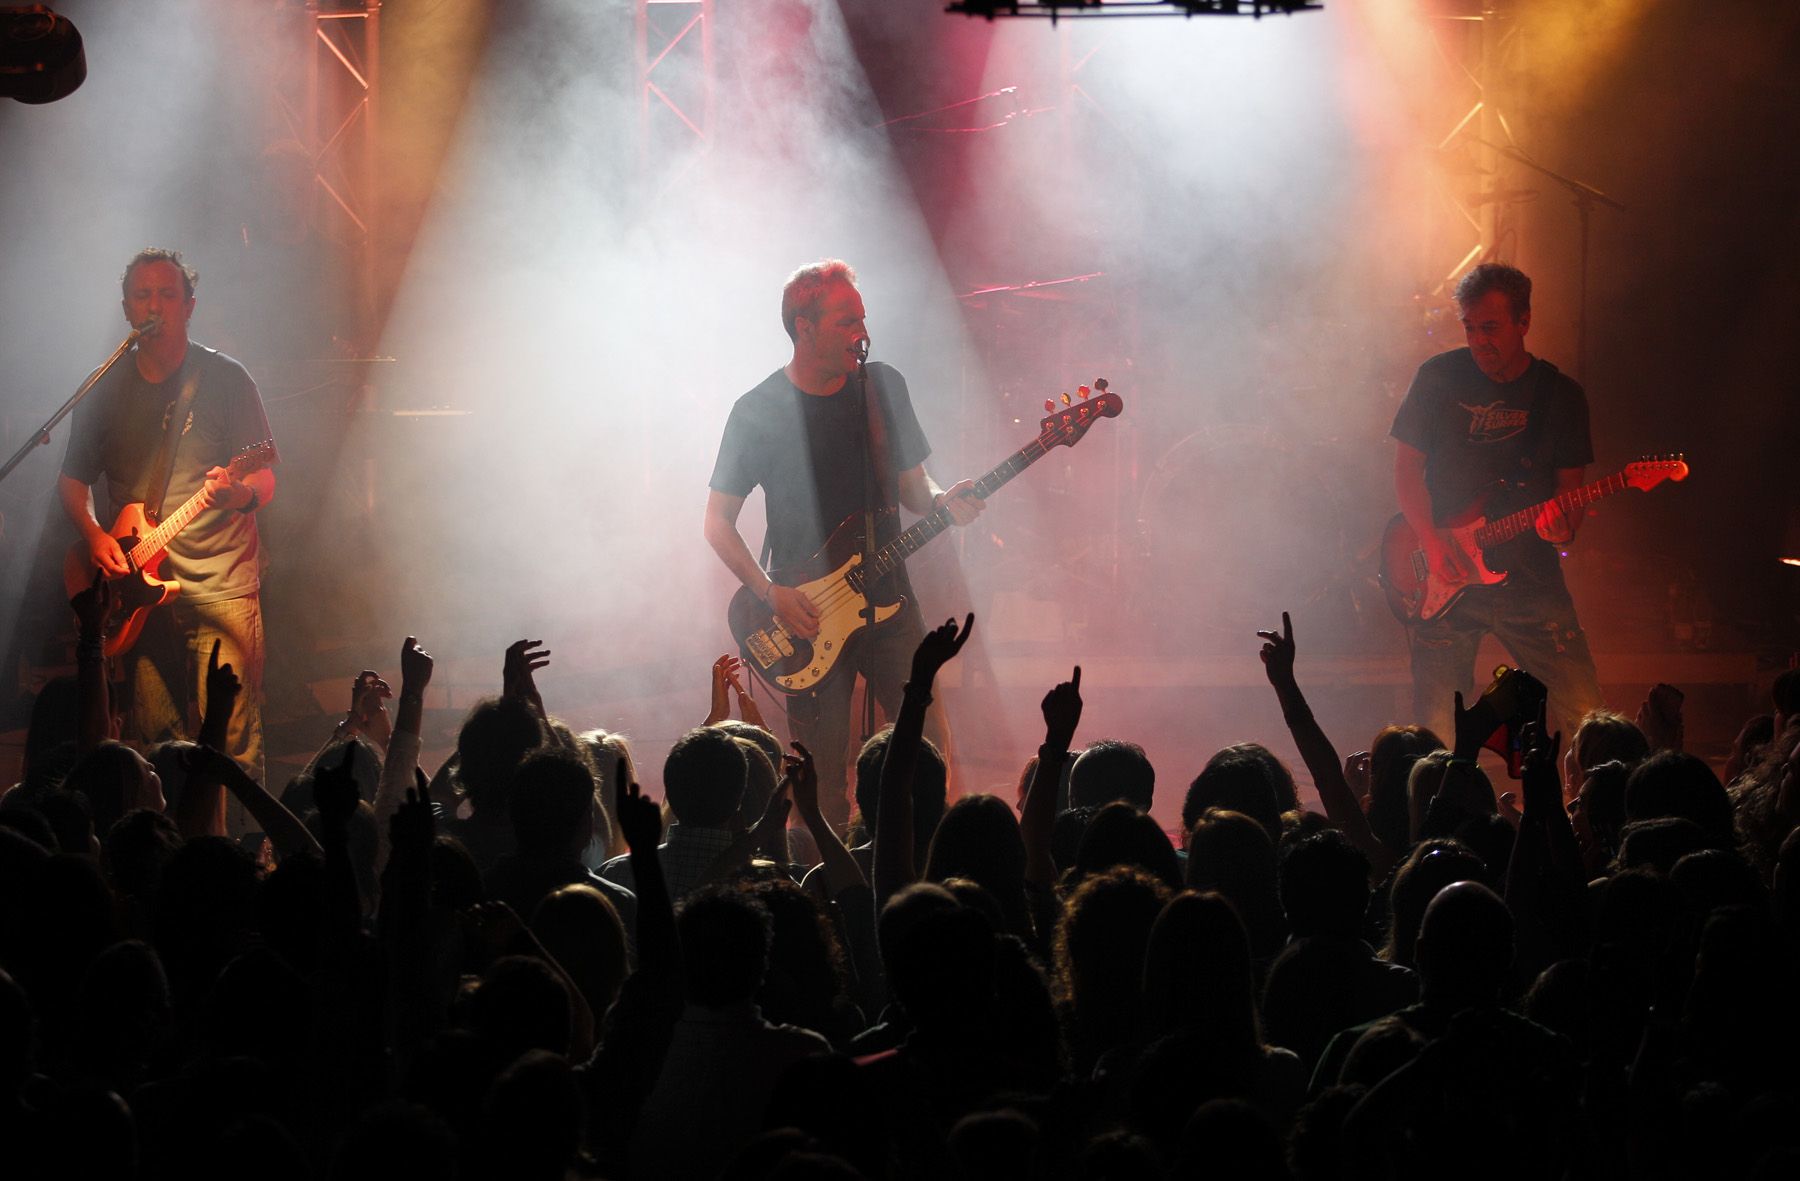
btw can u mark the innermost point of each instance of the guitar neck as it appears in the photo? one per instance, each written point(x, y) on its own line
point(158, 539)
point(1513, 524)
point(891, 556)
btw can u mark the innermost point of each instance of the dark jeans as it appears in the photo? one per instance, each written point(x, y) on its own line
point(1533, 616)
point(165, 682)
point(822, 720)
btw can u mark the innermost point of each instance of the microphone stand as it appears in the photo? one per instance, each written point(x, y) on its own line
point(41, 437)
point(1585, 197)
point(870, 492)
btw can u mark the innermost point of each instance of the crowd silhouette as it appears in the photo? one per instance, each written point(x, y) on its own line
point(520, 966)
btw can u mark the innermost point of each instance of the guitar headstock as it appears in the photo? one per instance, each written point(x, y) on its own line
point(1652, 470)
point(253, 458)
point(1068, 422)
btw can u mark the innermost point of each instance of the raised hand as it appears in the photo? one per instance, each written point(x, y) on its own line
point(1474, 725)
point(937, 649)
point(523, 659)
point(799, 773)
point(1062, 712)
point(640, 820)
point(724, 676)
point(1356, 773)
point(1541, 782)
point(490, 928)
point(367, 714)
point(415, 666)
point(93, 604)
point(412, 826)
point(1278, 652)
point(222, 685)
point(773, 823)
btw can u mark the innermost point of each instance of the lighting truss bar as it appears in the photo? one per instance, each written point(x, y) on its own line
point(1055, 10)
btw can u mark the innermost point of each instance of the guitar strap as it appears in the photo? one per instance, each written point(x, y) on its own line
point(160, 471)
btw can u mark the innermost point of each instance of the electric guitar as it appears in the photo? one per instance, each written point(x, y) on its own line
point(146, 544)
point(1416, 595)
point(838, 582)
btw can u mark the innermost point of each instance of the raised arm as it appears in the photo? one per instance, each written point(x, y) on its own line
point(893, 844)
point(1037, 819)
point(1545, 877)
point(840, 868)
point(92, 606)
point(1341, 805)
point(400, 766)
point(640, 821)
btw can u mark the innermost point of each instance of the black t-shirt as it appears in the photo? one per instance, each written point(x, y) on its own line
point(1479, 440)
point(116, 433)
point(808, 454)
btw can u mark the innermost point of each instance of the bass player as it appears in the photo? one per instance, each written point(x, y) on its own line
point(804, 436)
point(1491, 420)
point(174, 415)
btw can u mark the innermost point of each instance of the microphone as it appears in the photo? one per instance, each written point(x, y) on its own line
point(149, 326)
point(862, 351)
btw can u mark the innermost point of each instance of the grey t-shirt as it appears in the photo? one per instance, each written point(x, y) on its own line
point(116, 433)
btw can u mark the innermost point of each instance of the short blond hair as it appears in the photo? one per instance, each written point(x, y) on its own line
point(805, 290)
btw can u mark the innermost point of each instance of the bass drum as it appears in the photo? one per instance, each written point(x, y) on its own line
point(1236, 525)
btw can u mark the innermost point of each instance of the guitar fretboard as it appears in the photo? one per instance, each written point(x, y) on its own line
point(158, 539)
point(888, 558)
point(1513, 524)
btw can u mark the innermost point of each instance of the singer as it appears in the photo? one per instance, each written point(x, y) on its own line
point(160, 429)
point(826, 437)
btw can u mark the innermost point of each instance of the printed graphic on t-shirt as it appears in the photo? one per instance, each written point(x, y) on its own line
point(1494, 422)
point(185, 427)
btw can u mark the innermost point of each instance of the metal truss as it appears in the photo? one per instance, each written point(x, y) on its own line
point(676, 83)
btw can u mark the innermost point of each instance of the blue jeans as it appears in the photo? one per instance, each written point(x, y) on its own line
point(1534, 617)
point(165, 682)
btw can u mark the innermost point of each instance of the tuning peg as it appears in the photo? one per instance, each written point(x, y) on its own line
point(1049, 405)
point(1065, 398)
point(1084, 392)
point(1100, 384)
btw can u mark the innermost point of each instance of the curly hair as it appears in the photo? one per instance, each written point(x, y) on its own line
point(190, 278)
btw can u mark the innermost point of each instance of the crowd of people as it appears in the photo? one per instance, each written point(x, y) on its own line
point(521, 966)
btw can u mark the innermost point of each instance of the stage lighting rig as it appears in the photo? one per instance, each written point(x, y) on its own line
point(41, 59)
point(1055, 10)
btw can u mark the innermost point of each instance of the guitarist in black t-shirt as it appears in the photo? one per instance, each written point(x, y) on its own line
point(804, 436)
point(1491, 429)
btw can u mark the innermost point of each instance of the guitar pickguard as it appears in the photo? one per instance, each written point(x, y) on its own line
point(799, 665)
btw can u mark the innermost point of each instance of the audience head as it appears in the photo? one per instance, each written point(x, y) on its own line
point(705, 776)
point(1465, 945)
point(1674, 783)
point(1430, 867)
point(940, 958)
point(930, 783)
point(1100, 943)
point(1233, 854)
point(1324, 886)
point(725, 938)
point(1120, 834)
point(522, 1005)
point(1603, 736)
point(551, 802)
point(1111, 770)
point(114, 779)
point(495, 738)
point(1236, 781)
point(579, 927)
point(1198, 972)
point(979, 839)
point(1391, 756)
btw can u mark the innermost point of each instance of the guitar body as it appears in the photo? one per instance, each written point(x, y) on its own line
point(134, 594)
point(1414, 594)
point(832, 579)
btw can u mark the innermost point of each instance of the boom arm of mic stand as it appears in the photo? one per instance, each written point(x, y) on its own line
point(41, 437)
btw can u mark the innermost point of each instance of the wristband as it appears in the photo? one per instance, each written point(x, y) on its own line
point(250, 505)
point(1459, 761)
point(1050, 751)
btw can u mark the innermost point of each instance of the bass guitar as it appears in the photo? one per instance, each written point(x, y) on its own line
point(838, 581)
point(1416, 595)
point(145, 544)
